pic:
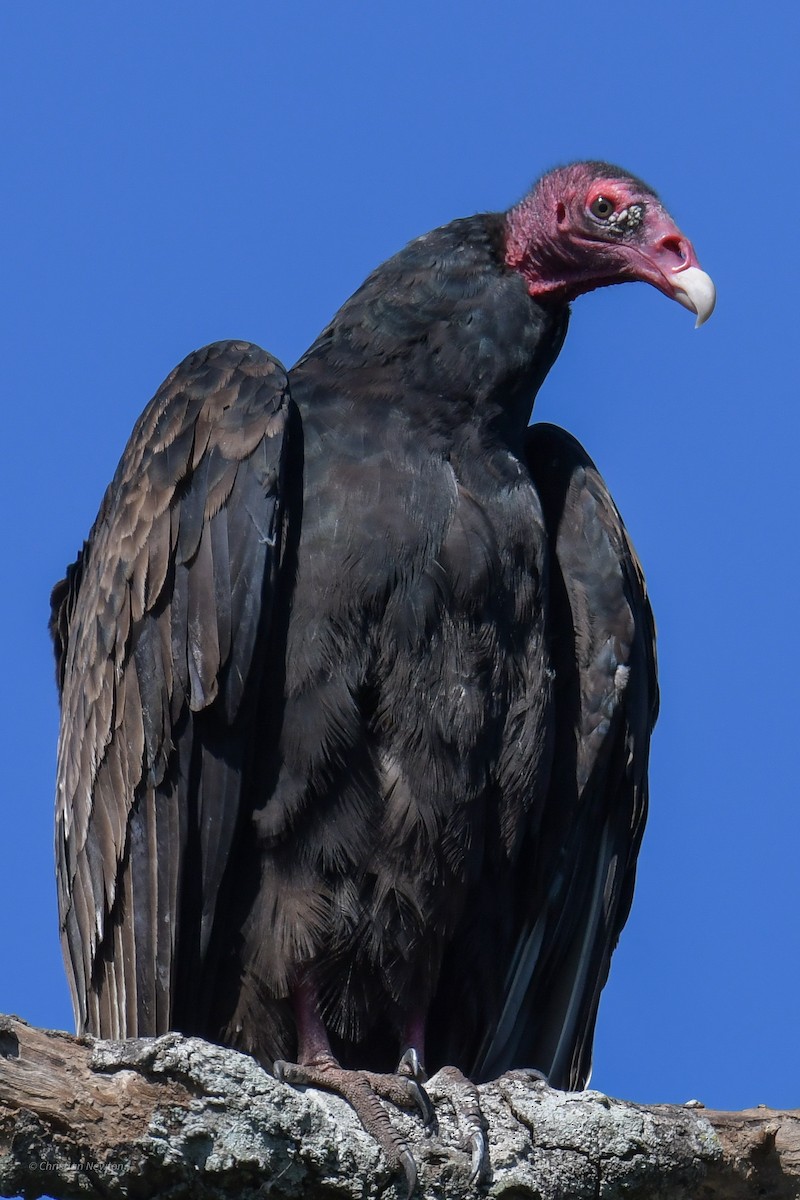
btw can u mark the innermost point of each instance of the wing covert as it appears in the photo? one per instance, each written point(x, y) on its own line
point(159, 628)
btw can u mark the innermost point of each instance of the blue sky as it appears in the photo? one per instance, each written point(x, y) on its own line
point(180, 173)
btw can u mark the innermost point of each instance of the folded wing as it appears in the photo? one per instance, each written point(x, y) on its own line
point(577, 876)
point(160, 629)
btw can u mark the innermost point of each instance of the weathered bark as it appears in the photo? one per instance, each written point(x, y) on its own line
point(176, 1116)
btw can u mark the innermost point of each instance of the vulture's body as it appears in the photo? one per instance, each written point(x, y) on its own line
point(357, 685)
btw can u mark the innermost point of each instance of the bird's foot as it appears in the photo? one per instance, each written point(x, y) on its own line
point(465, 1100)
point(364, 1090)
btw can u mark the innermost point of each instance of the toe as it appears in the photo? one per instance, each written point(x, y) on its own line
point(409, 1168)
point(411, 1064)
point(479, 1155)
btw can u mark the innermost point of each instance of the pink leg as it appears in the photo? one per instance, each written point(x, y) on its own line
point(313, 1045)
point(412, 1058)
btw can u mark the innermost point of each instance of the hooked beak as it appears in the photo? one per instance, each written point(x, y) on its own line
point(695, 290)
point(672, 267)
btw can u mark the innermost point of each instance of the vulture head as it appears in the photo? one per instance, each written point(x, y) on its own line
point(589, 225)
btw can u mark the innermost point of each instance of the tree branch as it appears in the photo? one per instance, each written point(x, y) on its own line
point(175, 1116)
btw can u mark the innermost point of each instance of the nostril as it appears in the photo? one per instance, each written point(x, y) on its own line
point(675, 246)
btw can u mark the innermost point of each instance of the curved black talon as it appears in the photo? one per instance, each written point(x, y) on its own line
point(479, 1156)
point(424, 1104)
point(409, 1166)
point(410, 1065)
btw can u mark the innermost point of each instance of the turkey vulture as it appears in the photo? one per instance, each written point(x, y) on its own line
point(357, 679)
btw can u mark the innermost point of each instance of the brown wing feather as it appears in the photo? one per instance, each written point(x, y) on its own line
point(602, 640)
point(156, 630)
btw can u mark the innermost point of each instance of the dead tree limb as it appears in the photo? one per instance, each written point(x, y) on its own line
point(175, 1116)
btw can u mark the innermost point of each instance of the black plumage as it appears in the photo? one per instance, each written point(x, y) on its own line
point(358, 677)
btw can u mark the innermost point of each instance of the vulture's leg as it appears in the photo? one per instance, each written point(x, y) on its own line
point(463, 1096)
point(363, 1090)
point(412, 1056)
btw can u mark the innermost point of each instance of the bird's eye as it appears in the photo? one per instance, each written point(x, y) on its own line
point(601, 207)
